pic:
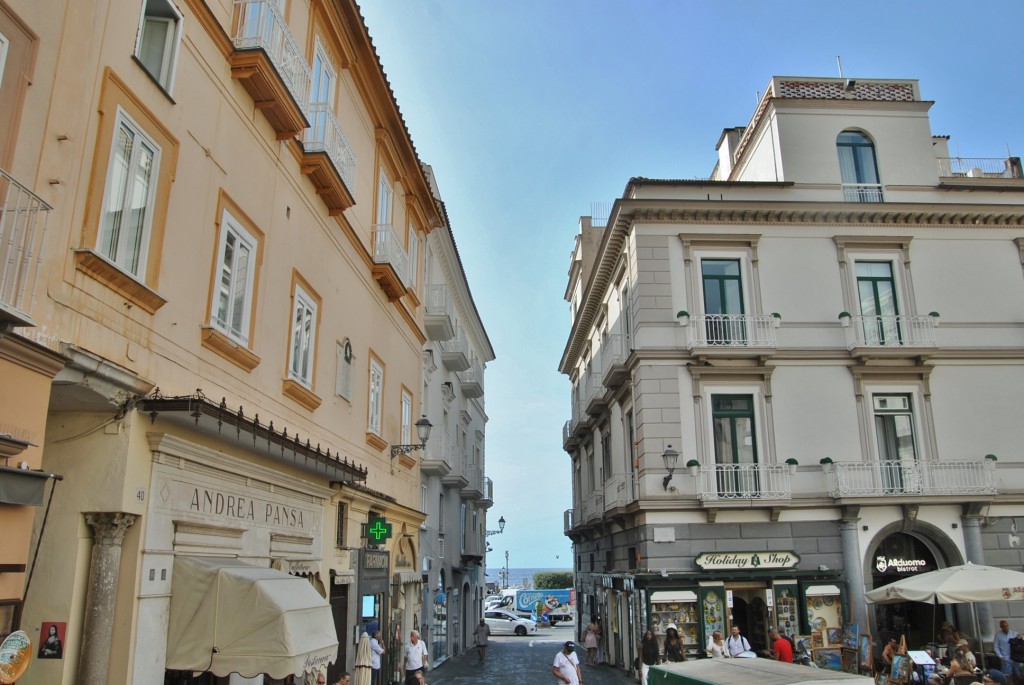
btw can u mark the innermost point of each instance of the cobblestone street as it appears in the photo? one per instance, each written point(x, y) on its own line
point(521, 661)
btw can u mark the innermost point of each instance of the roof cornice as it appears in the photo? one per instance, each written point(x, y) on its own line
point(626, 213)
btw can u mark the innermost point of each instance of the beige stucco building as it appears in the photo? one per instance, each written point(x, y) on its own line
point(800, 378)
point(219, 339)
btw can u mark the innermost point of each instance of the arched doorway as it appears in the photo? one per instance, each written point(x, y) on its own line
point(902, 555)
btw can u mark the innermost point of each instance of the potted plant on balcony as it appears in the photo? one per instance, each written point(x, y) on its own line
point(683, 317)
point(935, 318)
point(844, 319)
point(694, 466)
point(992, 458)
point(776, 319)
point(826, 464)
point(792, 463)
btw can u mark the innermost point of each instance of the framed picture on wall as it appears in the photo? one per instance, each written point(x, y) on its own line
point(835, 637)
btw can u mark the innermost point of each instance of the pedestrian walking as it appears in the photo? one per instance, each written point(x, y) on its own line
point(480, 635)
point(416, 658)
point(590, 642)
point(567, 665)
point(648, 655)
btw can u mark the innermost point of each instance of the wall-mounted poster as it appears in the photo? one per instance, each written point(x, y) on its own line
point(51, 640)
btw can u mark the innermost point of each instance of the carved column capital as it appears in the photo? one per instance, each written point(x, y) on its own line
point(109, 527)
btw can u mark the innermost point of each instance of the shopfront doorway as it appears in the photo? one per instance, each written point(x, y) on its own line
point(900, 556)
point(750, 613)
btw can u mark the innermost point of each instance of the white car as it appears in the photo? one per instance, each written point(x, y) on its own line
point(502, 622)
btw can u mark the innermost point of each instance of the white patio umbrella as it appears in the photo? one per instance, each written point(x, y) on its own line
point(955, 585)
point(363, 672)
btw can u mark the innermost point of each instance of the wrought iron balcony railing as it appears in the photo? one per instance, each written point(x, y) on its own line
point(326, 135)
point(911, 477)
point(891, 331)
point(979, 167)
point(862, 192)
point(23, 217)
point(733, 331)
point(387, 249)
point(745, 482)
point(261, 26)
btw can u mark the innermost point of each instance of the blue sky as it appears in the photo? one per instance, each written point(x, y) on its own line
point(529, 111)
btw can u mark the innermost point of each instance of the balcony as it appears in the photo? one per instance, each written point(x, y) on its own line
point(270, 66)
point(897, 478)
point(391, 264)
point(568, 520)
point(862, 192)
point(618, 491)
point(328, 159)
point(455, 352)
point(593, 507)
point(474, 487)
point(569, 441)
point(435, 460)
point(890, 336)
point(731, 335)
point(439, 313)
point(613, 361)
point(456, 478)
point(581, 420)
point(744, 482)
point(488, 499)
point(472, 381)
point(23, 217)
point(593, 397)
point(979, 167)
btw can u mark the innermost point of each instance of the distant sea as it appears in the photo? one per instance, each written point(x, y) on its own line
point(517, 577)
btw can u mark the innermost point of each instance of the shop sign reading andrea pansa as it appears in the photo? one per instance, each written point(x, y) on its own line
point(746, 561)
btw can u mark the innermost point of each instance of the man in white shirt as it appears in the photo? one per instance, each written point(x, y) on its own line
point(736, 643)
point(567, 665)
point(416, 656)
point(376, 649)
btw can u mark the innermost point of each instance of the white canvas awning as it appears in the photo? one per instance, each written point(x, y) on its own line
point(231, 617)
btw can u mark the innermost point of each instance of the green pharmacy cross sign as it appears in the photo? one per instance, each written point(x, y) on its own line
point(378, 530)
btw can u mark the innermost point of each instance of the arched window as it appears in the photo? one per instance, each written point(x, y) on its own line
point(858, 168)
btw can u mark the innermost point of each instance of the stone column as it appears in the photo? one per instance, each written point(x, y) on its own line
point(853, 566)
point(108, 529)
point(975, 553)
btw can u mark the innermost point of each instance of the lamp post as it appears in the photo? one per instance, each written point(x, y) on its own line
point(671, 457)
point(501, 528)
point(423, 427)
point(506, 569)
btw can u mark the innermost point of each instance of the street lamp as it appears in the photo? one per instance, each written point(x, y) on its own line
point(501, 528)
point(423, 427)
point(671, 457)
point(506, 569)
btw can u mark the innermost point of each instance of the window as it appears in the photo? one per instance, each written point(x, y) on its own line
point(857, 168)
point(463, 523)
point(876, 290)
point(735, 444)
point(4, 47)
point(339, 538)
point(159, 35)
point(385, 198)
point(406, 418)
point(723, 301)
point(894, 435)
point(376, 397)
point(606, 456)
point(304, 320)
point(343, 381)
point(627, 323)
point(236, 266)
point(129, 197)
point(414, 249)
point(321, 98)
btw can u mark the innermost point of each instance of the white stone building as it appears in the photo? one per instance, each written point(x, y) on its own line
point(767, 417)
point(455, 494)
